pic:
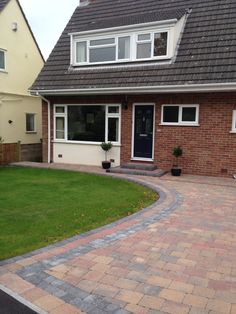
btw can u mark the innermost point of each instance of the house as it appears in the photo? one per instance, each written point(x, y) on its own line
point(20, 63)
point(148, 76)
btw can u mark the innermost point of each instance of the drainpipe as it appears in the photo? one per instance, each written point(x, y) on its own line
point(49, 127)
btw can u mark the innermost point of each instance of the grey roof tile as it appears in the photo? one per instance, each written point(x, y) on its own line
point(206, 53)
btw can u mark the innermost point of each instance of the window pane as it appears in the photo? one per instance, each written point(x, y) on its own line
point(60, 128)
point(113, 129)
point(102, 54)
point(171, 114)
point(143, 51)
point(86, 123)
point(30, 122)
point(113, 109)
point(189, 114)
point(144, 37)
point(124, 48)
point(81, 52)
point(107, 41)
point(2, 60)
point(160, 44)
point(60, 109)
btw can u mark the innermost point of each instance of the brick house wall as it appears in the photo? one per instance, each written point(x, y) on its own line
point(209, 149)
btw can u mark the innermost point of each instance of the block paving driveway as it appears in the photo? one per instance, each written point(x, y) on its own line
point(178, 256)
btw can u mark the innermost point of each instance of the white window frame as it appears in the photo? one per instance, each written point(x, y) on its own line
point(107, 116)
point(180, 122)
point(5, 59)
point(35, 127)
point(133, 45)
point(60, 115)
point(234, 122)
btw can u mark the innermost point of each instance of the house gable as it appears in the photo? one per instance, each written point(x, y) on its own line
point(23, 59)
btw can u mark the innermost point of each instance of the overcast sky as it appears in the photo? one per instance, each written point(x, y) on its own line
point(47, 19)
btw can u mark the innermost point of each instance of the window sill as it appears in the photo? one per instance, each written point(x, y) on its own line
point(233, 132)
point(179, 124)
point(3, 71)
point(31, 132)
point(83, 143)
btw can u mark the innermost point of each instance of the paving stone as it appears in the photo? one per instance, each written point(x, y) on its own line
point(162, 253)
point(150, 302)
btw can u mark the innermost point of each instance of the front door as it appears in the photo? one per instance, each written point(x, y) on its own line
point(143, 131)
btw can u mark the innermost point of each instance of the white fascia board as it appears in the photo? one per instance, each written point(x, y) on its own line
point(125, 27)
point(221, 87)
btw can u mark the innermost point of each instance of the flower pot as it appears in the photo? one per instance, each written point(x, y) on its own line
point(106, 164)
point(176, 172)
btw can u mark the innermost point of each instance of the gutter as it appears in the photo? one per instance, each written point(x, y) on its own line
point(201, 88)
point(49, 125)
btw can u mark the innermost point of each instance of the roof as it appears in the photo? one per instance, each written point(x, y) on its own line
point(3, 3)
point(206, 53)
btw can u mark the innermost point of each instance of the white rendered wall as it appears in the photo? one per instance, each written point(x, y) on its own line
point(84, 154)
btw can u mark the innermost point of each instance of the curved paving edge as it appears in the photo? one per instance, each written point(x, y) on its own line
point(33, 267)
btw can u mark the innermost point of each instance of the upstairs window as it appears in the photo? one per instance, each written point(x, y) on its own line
point(129, 47)
point(2, 60)
point(152, 45)
point(180, 115)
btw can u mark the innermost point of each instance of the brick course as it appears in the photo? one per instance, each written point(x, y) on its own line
point(209, 149)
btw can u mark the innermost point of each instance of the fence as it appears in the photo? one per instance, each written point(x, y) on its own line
point(13, 152)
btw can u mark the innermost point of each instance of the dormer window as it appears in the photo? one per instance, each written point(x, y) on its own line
point(134, 43)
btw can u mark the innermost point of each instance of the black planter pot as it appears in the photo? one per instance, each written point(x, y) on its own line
point(106, 164)
point(176, 172)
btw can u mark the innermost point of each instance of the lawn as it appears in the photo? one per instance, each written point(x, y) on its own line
point(41, 206)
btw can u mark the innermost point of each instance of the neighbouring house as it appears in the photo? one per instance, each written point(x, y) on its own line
point(147, 76)
point(20, 63)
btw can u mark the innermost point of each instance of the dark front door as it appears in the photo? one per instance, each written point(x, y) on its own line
point(143, 131)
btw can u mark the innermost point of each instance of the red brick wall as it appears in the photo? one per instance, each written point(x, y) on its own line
point(45, 131)
point(209, 149)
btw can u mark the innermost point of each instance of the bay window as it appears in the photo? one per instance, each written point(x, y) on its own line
point(87, 123)
point(180, 115)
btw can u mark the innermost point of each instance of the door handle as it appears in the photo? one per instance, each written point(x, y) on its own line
point(143, 135)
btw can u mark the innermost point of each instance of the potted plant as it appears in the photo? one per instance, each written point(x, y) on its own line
point(106, 147)
point(176, 170)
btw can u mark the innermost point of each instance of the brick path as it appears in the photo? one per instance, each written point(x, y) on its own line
point(178, 256)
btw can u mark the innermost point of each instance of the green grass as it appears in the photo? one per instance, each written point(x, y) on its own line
point(40, 206)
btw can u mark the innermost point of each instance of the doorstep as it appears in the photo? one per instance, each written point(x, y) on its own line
point(140, 172)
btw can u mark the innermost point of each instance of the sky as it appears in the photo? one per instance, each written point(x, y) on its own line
point(47, 19)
